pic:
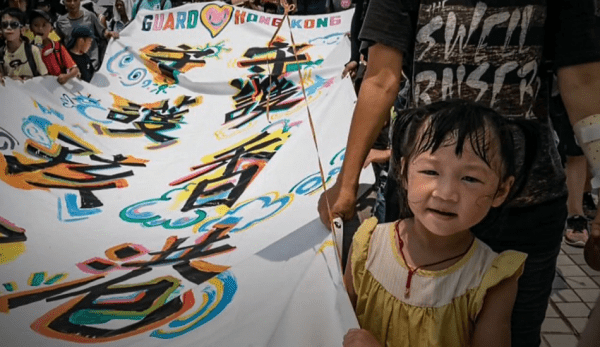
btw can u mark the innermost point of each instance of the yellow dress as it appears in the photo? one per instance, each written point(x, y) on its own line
point(443, 305)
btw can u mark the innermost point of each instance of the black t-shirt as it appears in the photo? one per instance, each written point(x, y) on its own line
point(494, 52)
point(84, 63)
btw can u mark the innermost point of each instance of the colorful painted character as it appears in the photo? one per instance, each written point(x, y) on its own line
point(56, 165)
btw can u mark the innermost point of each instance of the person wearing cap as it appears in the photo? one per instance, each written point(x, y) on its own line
point(18, 59)
point(46, 6)
point(55, 56)
point(78, 16)
point(25, 6)
point(79, 45)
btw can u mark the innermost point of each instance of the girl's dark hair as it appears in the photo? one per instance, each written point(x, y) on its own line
point(15, 13)
point(426, 128)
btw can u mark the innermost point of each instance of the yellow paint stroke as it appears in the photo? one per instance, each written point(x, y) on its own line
point(11, 251)
point(328, 243)
point(204, 266)
point(222, 209)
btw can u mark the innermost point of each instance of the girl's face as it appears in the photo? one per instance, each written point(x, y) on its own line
point(11, 28)
point(449, 194)
point(41, 27)
point(73, 5)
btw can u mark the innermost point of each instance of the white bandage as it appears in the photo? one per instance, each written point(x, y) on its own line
point(587, 133)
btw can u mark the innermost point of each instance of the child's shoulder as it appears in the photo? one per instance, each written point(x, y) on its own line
point(367, 228)
point(498, 266)
point(371, 231)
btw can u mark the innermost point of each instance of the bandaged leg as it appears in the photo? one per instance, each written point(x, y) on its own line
point(587, 133)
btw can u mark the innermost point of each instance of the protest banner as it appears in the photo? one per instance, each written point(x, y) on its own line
point(173, 199)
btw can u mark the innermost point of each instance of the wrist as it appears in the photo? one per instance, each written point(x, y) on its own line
point(347, 186)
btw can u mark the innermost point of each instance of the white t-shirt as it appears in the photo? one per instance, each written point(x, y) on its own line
point(16, 64)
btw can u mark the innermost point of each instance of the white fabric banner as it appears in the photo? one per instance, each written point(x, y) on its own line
point(160, 204)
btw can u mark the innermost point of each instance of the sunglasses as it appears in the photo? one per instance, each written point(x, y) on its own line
point(11, 25)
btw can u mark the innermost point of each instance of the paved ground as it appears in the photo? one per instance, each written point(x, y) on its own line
point(574, 291)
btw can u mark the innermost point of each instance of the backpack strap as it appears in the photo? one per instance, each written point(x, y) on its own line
point(59, 57)
point(2, 50)
point(30, 60)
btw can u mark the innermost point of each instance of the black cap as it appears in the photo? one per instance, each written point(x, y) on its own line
point(79, 31)
point(39, 13)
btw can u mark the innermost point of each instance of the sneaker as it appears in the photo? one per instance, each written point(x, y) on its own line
point(577, 231)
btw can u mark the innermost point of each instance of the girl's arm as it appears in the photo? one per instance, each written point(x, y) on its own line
point(349, 280)
point(492, 327)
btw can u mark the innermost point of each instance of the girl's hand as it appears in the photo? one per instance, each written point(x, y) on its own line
point(360, 338)
point(377, 156)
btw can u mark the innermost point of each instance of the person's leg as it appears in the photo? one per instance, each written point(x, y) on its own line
point(577, 230)
point(575, 170)
point(538, 232)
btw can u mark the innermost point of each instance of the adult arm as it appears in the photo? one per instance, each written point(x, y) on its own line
point(377, 94)
point(492, 328)
point(100, 29)
point(357, 20)
point(580, 91)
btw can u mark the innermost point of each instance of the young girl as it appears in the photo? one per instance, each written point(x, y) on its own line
point(425, 280)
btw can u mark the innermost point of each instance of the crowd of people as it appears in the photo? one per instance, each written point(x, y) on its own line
point(46, 38)
point(473, 199)
point(67, 38)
